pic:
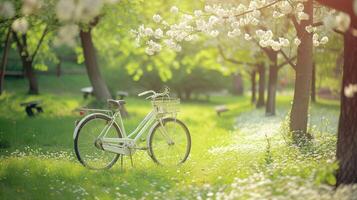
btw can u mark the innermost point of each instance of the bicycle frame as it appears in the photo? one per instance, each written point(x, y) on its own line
point(127, 143)
point(138, 132)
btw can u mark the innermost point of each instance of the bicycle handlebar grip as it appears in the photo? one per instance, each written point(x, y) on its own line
point(145, 93)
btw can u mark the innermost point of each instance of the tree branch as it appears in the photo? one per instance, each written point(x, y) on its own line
point(22, 50)
point(40, 42)
point(317, 24)
point(287, 60)
point(231, 59)
point(296, 24)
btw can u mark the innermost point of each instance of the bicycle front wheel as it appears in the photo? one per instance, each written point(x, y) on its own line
point(170, 142)
point(87, 146)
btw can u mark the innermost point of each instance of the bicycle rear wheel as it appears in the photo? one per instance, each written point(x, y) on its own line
point(87, 146)
point(170, 143)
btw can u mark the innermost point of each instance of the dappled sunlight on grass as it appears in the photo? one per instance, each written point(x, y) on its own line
point(240, 154)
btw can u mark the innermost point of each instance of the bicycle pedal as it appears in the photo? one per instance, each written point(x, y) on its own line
point(142, 148)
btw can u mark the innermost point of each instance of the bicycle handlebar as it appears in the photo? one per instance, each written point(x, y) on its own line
point(146, 92)
point(154, 94)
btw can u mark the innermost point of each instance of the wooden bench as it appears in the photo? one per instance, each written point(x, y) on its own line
point(121, 95)
point(31, 106)
point(221, 109)
point(87, 91)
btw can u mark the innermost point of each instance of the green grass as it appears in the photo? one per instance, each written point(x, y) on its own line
point(230, 155)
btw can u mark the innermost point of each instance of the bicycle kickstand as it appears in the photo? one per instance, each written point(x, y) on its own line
point(122, 162)
point(131, 158)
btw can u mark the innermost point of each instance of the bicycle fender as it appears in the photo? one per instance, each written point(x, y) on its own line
point(82, 121)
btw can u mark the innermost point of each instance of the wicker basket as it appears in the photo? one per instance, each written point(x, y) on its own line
point(166, 106)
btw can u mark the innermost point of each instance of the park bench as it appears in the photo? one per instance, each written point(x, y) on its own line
point(220, 109)
point(121, 95)
point(31, 106)
point(87, 91)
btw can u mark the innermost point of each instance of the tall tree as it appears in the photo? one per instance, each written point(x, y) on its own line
point(100, 88)
point(4, 59)
point(27, 58)
point(347, 127)
point(261, 90)
point(303, 75)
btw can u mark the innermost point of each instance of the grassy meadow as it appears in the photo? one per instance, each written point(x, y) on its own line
point(240, 155)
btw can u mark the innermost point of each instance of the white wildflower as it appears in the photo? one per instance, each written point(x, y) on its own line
point(148, 32)
point(157, 18)
point(198, 13)
point(158, 33)
point(297, 41)
point(174, 9)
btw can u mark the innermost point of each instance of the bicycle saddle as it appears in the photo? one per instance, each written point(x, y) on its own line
point(117, 103)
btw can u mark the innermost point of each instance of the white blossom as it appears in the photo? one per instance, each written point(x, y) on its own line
point(277, 14)
point(247, 37)
point(302, 16)
point(297, 41)
point(234, 33)
point(285, 7)
point(329, 22)
point(309, 29)
point(350, 90)
point(343, 22)
point(20, 25)
point(324, 40)
point(7, 9)
point(65, 9)
point(214, 33)
point(67, 34)
point(30, 6)
point(275, 46)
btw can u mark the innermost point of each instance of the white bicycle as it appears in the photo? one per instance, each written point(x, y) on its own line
point(99, 140)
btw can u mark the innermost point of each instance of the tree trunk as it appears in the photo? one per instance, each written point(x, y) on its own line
point(272, 85)
point(100, 88)
point(27, 62)
point(313, 83)
point(303, 75)
point(31, 76)
point(4, 60)
point(261, 93)
point(347, 127)
point(238, 84)
point(253, 89)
